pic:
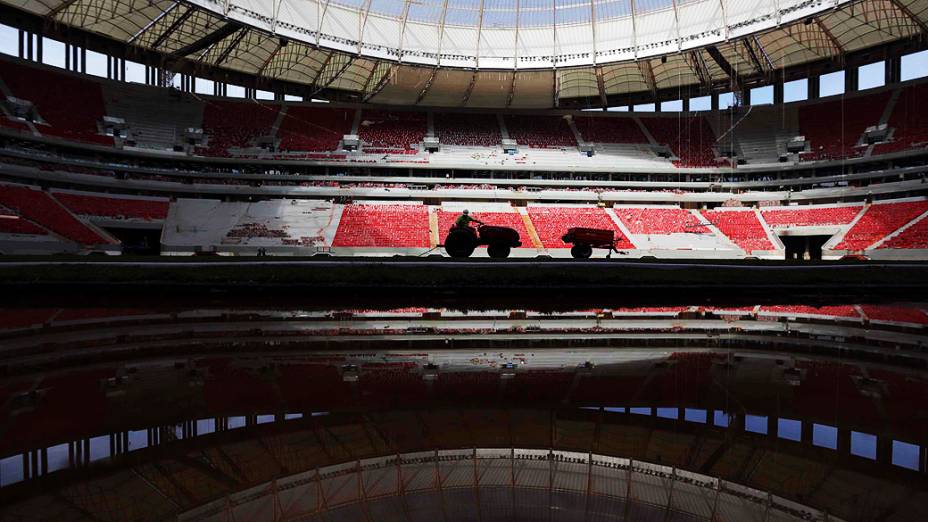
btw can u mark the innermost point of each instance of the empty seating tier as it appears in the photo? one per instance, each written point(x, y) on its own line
point(654, 220)
point(909, 118)
point(689, 137)
point(610, 130)
point(235, 124)
point(552, 222)
point(914, 237)
point(472, 130)
point(827, 311)
point(811, 217)
point(897, 314)
point(540, 132)
point(313, 129)
point(383, 226)
point(834, 128)
point(742, 227)
point(73, 116)
point(392, 130)
point(114, 207)
point(43, 209)
point(879, 221)
point(12, 224)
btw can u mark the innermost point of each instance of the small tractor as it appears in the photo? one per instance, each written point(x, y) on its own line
point(461, 241)
point(584, 240)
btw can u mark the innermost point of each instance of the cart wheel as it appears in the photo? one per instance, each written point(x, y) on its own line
point(498, 250)
point(459, 244)
point(581, 251)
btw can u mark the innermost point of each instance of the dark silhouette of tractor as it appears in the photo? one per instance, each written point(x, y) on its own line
point(584, 240)
point(461, 241)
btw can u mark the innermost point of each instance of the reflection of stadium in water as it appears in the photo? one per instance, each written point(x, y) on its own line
point(768, 412)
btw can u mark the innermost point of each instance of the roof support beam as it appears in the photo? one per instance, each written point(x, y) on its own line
point(179, 21)
point(723, 63)
point(753, 56)
point(479, 31)
point(333, 78)
point(428, 85)
point(153, 22)
point(699, 67)
point(384, 80)
point(441, 28)
point(63, 6)
point(212, 38)
point(325, 64)
point(270, 58)
point(601, 86)
point(362, 23)
point(644, 67)
point(908, 12)
point(470, 88)
point(231, 48)
point(831, 38)
point(402, 41)
point(512, 89)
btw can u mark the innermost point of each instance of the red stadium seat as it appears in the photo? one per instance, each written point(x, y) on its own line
point(880, 220)
point(811, 216)
point(235, 124)
point(43, 209)
point(313, 128)
point(833, 128)
point(609, 130)
point(540, 132)
point(689, 137)
point(72, 117)
point(114, 207)
point(552, 222)
point(742, 227)
point(472, 130)
point(914, 237)
point(389, 131)
point(664, 220)
point(12, 224)
point(383, 226)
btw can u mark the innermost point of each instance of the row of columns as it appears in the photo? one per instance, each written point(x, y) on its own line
point(892, 74)
point(35, 462)
point(736, 422)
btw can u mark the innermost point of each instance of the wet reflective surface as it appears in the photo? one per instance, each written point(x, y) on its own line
point(700, 412)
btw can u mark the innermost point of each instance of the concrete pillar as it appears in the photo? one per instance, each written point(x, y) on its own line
point(893, 70)
point(815, 87)
point(884, 450)
point(850, 79)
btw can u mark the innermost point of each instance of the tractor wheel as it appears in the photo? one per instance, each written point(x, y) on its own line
point(498, 250)
point(581, 251)
point(459, 244)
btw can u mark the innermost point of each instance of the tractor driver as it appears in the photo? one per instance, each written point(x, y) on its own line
point(464, 220)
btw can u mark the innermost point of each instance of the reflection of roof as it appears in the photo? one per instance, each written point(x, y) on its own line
point(502, 484)
point(386, 50)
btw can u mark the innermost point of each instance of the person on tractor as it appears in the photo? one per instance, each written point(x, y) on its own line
point(464, 220)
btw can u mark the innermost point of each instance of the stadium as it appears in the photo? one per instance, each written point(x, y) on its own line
point(464, 260)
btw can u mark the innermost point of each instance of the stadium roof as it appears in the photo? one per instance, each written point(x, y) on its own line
point(495, 53)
